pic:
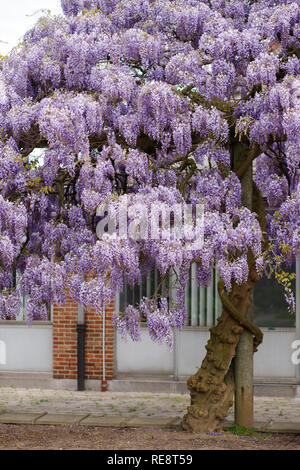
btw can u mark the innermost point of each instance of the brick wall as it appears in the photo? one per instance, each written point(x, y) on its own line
point(65, 342)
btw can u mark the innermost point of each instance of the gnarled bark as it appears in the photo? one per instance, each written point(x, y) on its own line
point(212, 386)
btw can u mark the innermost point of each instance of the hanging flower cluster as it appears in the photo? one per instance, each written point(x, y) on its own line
point(145, 100)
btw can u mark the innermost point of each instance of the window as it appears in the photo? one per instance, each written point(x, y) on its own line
point(204, 305)
point(270, 306)
point(21, 315)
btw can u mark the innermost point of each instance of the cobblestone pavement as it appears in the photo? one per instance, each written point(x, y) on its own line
point(21, 400)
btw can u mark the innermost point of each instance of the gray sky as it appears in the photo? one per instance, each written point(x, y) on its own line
point(14, 21)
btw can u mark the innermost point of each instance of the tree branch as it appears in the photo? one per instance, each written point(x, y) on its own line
point(234, 313)
point(254, 152)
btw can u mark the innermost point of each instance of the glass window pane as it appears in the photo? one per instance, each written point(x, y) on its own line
point(270, 306)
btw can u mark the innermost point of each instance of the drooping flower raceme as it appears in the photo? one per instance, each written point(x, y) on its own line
point(145, 104)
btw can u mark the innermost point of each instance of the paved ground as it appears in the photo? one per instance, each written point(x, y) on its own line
point(115, 408)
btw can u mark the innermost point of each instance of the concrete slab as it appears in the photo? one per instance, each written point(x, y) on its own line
point(264, 426)
point(284, 427)
point(176, 422)
point(155, 385)
point(143, 421)
point(20, 418)
point(128, 421)
point(97, 420)
point(147, 386)
point(257, 425)
point(61, 418)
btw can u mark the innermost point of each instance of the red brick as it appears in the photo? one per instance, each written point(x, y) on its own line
point(65, 342)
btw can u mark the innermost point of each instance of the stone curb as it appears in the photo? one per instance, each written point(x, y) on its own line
point(68, 419)
point(61, 418)
point(20, 418)
point(106, 421)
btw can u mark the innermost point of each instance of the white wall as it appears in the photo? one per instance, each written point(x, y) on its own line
point(191, 350)
point(27, 348)
point(143, 357)
point(273, 359)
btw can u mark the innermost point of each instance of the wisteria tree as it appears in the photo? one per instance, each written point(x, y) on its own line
point(162, 102)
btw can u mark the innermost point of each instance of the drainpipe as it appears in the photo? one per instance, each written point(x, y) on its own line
point(298, 309)
point(80, 346)
point(103, 382)
point(172, 297)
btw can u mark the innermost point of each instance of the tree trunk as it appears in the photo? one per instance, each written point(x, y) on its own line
point(243, 377)
point(243, 361)
point(212, 386)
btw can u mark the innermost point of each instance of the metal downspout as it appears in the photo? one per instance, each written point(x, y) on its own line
point(104, 382)
point(80, 346)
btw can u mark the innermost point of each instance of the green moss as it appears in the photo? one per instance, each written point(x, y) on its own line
point(244, 431)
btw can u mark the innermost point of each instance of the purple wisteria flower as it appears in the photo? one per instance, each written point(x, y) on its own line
point(146, 102)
